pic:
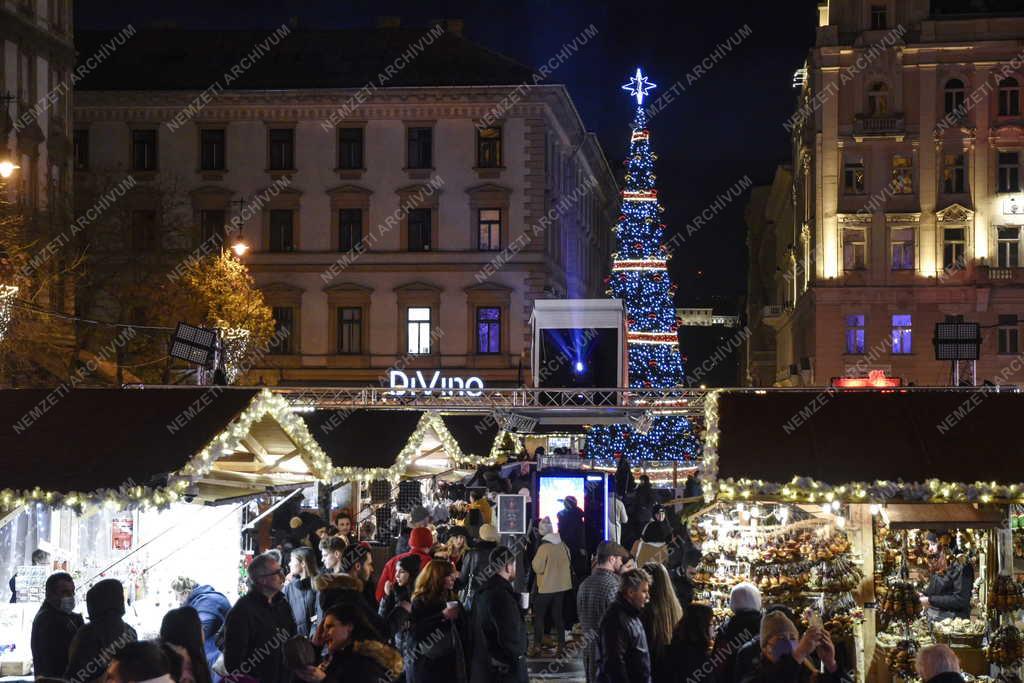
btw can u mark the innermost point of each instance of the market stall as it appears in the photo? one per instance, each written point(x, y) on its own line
point(915, 491)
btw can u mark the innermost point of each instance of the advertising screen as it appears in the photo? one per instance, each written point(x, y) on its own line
point(553, 491)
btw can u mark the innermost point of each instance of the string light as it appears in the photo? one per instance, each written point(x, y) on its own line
point(237, 343)
point(7, 293)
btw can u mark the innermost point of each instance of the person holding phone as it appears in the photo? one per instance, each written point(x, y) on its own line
point(786, 657)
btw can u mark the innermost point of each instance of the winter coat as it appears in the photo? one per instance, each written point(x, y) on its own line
point(395, 616)
point(553, 566)
point(499, 635)
point(302, 599)
point(571, 528)
point(445, 664)
point(106, 632)
point(254, 637)
point(52, 632)
point(616, 518)
point(391, 568)
point(743, 625)
point(213, 608)
point(365, 660)
point(622, 653)
point(949, 592)
point(472, 576)
point(787, 670)
point(684, 661)
point(342, 589)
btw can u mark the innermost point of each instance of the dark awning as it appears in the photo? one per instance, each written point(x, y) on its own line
point(85, 440)
point(362, 438)
point(837, 438)
point(475, 434)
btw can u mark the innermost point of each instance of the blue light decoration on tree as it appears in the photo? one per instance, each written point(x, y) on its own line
point(640, 279)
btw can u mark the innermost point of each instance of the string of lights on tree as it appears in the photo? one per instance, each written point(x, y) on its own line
point(640, 279)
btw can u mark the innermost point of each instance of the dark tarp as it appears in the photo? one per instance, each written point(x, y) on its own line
point(362, 438)
point(88, 439)
point(838, 437)
point(475, 434)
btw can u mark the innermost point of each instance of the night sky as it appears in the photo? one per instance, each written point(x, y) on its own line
point(726, 125)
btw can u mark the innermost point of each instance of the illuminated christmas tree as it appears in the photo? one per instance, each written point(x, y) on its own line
point(640, 279)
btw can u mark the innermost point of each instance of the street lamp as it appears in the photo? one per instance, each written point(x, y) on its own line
point(7, 168)
point(240, 247)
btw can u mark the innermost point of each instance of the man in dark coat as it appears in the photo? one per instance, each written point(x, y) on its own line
point(471, 578)
point(499, 633)
point(622, 653)
point(54, 627)
point(738, 629)
point(259, 625)
point(94, 644)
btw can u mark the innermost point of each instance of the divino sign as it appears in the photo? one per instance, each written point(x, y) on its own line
point(444, 386)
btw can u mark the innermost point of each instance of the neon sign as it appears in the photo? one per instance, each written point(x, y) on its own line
point(445, 386)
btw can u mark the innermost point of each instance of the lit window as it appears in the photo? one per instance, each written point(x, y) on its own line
point(1008, 254)
point(490, 229)
point(855, 334)
point(953, 99)
point(1009, 97)
point(418, 330)
point(953, 255)
point(853, 175)
point(488, 147)
point(350, 329)
point(1008, 334)
point(953, 174)
point(488, 330)
point(1009, 171)
point(878, 100)
point(901, 333)
point(903, 249)
point(902, 174)
point(855, 248)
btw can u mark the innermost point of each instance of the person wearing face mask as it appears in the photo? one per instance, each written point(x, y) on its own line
point(786, 657)
point(54, 626)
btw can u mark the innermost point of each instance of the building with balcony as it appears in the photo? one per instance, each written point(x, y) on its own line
point(406, 194)
point(901, 208)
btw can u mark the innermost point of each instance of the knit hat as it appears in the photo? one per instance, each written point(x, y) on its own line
point(421, 538)
point(488, 533)
point(544, 527)
point(774, 624)
point(745, 595)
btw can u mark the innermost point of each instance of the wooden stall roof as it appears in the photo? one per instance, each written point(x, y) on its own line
point(362, 438)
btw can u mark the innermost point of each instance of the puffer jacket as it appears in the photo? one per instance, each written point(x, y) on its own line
point(553, 565)
point(213, 608)
point(622, 653)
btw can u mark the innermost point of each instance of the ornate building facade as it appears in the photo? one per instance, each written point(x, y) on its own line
point(407, 227)
point(902, 206)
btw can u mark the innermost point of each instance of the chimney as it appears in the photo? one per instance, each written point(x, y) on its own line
point(389, 22)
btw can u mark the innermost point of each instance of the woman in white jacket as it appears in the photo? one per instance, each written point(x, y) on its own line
point(616, 518)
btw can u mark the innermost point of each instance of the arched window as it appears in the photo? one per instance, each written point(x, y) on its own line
point(1009, 97)
point(878, 99)
point(954, 97)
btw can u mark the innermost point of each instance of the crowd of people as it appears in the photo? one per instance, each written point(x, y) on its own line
point(451, 604)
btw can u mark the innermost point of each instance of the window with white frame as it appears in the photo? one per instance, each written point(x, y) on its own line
point(902, 174)
point(1008, 247)
point(1009, 171)
point(855, 248)
point(902, 248)
point(855, 333)
point(1009, 97)
point(953, 248)
point(417, 327)
point(902, 336)
point(1008, 334)
point(489, 229)
point(853, 174)
point(953, 174)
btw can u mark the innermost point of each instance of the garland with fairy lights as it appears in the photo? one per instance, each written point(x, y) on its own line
point(639, 278)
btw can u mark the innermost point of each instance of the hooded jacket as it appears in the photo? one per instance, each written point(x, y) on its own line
point(106, 632)
point(342, 589)
point(213, 608)
point(365, 660)
point(420, 540)
point(552, 565)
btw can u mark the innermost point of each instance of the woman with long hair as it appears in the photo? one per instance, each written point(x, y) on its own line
point(660, 617)
point(182, 630)
point(354, 650)
point(691, 647)
point(299, 590)
point(435, 626)
point(457, 545)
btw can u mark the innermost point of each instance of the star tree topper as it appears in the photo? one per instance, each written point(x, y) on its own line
point(639, 86)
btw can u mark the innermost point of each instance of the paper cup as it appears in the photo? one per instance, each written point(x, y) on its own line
point(452, 603)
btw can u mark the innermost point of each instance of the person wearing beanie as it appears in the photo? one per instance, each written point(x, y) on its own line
point(474, 565)
point(552, 566)
point(785, 656)
point(421, 539)
point(738, 629)
point(652, 546)
point(747, 656)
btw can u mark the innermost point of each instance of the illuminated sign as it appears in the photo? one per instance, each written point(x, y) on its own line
point(444, 386)
point(876, 379)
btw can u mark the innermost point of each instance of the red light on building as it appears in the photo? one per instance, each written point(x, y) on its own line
point(876, 379)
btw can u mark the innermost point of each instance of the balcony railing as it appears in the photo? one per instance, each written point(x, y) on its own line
point(1001, 275)
point(878, 125)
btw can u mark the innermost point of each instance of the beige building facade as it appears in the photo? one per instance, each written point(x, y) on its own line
point(903, 199)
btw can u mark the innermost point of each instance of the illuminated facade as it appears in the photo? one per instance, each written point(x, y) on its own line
point(903, 198)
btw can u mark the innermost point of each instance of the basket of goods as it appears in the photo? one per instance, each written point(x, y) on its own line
point(957, 631)
point(1005, 647)
point(900, 659)
point(837, 575)
point(786, 578)
point(833, 546)
point(1006, 596)
point(704, 572)
point(901, 601)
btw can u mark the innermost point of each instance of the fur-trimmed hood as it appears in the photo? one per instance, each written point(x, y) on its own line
point(326, 582)
point(384, 655)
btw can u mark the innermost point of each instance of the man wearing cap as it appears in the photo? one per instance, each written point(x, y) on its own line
point(418, 518)
point(421, 540)
point(595, 594)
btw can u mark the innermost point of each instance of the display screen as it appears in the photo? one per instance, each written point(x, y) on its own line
point(553, 491)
